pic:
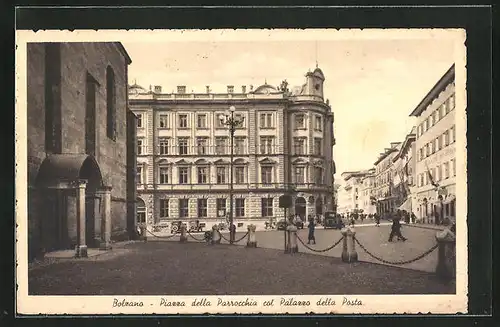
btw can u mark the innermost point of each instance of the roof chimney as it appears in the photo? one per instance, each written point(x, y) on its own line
point(181, 89)
point(157, 88)
point(208, 89)
point(230, 89)
point(243, 89)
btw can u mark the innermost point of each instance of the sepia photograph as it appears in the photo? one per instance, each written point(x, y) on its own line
point(241, 171)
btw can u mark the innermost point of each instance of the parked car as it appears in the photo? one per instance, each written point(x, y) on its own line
point(281, 225)
point(333, 220)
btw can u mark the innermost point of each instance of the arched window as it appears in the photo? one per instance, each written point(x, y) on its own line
point(141, 211)
point(110, 103)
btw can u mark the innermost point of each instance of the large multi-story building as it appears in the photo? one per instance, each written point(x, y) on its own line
point(285, 142)
point(435, 146)
point(386, 200)
point(366, 202)
point(80, 146)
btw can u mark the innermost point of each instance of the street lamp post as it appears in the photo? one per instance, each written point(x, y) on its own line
point(229, 120)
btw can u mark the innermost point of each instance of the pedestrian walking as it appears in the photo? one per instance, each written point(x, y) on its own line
point(396, 228)
point(377, 220)
point(311, 227)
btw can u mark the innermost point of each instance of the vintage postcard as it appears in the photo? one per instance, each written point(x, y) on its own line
point(241, 171)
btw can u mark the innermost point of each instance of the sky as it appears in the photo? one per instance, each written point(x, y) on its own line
point(372, 83)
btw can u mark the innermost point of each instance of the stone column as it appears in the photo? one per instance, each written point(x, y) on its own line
point(81, 247)
point(349, 253)
point(292, 246)
point(251, 241)
point(105, 195)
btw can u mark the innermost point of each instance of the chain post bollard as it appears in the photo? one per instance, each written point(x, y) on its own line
point(349, 253)
point(141, 231)
point(292, 246)
point(345, 254)
point(446, 266)
point(183, 238)
point(216, 237)
point(251, 241)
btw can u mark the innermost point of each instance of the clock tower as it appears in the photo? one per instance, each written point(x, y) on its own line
point(314, 83)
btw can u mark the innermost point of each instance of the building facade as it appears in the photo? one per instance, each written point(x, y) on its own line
point(366, 203)
point(351, 197)
point(385, 197)
point(403, 173)
point(435, 151)
point(79, 150)
point(284, 144)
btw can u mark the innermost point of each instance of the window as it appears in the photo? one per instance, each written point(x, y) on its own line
point(426, 127)
point(139, 121)
point(427, 150)
point(300, 122)
point(141, 211)
point(220, 123)
point(318, 176)
point(241, 119)
point(446, 138)
point(139, 175)
point(267, 207)
point(202, 175)
point(266, 120)
point(440, 142)
point(446, 170)
point(452, 102)
point(181, 89)
point(421, 154)
point(299, 175)
point(202, 143)
point(299, 146)
point(439, 173)
point(140, 147)
point(164, 206)
point(202, 208)
point(183, 208)
point(454, 166)
point(164, 174)
point(110, 103)
point(221, 175)
point(317, 147)
point(266, 174)
point(431, 120)
point(240, 208)
point(220, 145)
point(433, 147)
point(429, 124)
point(421, 180)
point(448, 105)
point(183, 145)
point(318, 125)
point(183, 121)
point(266, 145)
point(163, 145)
point(435, 117)
point(202, 121)
point(239, 174)
point(239, 145)
point(163, 121)
point(452, 134)
point(183, 175)
point(221, 207)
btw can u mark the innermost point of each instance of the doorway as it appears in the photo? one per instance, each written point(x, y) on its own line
point(300, 207)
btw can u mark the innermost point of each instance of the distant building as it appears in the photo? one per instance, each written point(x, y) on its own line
point(366, 203)
point(80, 146)
point(385, 196)
point(183, 166)
point(436, 156)
point(404, 174)
point(351, 195)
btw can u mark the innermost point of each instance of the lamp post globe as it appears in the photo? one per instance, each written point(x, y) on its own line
point(232, 108)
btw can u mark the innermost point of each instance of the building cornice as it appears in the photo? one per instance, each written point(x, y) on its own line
point(441, 85)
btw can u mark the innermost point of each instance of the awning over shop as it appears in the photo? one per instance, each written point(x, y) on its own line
point(449, 198)
point(406, 205)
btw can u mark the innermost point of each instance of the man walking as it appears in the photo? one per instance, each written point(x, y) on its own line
point(377, 220)
point(396, 228)
point(311, 226)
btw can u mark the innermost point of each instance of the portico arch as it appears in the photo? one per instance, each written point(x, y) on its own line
point(300, 207)
point(74, 202)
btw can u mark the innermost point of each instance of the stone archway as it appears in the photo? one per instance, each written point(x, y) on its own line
point(300, 207)
point(141, 211)
point(75, 205)
point(319, 205)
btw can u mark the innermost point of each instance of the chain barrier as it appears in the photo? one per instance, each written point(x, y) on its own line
point(315, 250)
point(235, 241)
point(163, 237)
point(397, 262)
point(195, 238)
point(241, 238)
